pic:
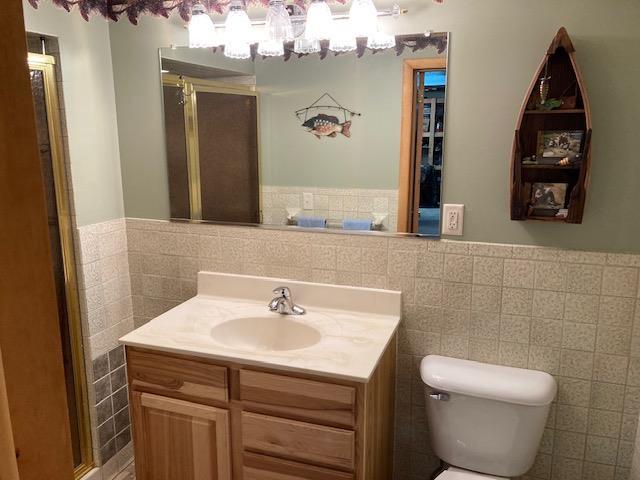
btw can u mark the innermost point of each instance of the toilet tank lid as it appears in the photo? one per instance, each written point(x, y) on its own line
point(493, 382)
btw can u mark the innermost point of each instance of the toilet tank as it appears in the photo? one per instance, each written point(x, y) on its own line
point(486, 418)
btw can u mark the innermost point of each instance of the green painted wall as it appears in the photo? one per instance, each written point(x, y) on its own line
point(90, 110)
point(496, 46)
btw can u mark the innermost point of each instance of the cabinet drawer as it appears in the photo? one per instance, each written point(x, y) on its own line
point(299, 397)
point(299, 441)
point(261, 467)
point(177, 377)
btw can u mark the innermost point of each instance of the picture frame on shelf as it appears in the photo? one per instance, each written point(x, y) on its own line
point(555, 145)
point(548, 196)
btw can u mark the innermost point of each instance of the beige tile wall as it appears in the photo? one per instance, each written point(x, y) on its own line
point(331, 203)
point(573, 314)
point(107, 314)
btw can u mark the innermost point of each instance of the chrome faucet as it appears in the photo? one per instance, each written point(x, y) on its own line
point(283, 303)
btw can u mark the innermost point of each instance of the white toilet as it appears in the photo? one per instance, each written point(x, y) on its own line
point(485, 421)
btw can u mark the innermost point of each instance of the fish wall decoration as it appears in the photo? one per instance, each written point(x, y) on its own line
point(322, 124)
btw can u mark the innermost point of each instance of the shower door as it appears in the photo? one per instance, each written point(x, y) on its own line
point(54, 175)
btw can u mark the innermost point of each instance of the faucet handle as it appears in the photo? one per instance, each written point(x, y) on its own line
point(282, 292)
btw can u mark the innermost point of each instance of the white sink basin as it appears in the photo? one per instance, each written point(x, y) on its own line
point(272, 333)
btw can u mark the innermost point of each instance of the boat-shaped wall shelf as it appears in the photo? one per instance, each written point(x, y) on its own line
point(551, 158)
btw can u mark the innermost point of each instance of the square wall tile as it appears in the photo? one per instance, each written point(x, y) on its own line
point(579, 336)
point(620, 281)
point(517, 301)
point(550, 276)
point(581, 308)
point(519, 273)
point(458, 268)
point(488, 271)
point(586, 279)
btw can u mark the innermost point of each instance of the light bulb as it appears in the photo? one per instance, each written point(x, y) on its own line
point(343, 39)
point(202, 32)
point(381, 41)
point(237, 32)
point(278, 29)
point(363, 17)
point(319, 24)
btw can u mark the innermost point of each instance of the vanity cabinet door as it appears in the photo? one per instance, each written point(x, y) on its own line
point(175, 439)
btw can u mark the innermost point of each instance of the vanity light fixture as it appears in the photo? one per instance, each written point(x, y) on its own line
point(238, 34)
point(363, 17)
point(278, 29)
point(381, 41)
point(304, 47)
point(202, 32)
point(342, 39)
point(319, 25)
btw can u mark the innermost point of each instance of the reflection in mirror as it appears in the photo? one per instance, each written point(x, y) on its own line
point(311, 141)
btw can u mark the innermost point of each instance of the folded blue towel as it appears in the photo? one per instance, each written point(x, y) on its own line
point(356, 224)
point(312, 222)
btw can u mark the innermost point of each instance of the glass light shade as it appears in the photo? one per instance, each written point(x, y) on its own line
point(304, 46)
point(381, 41)
point(202, 32)
point(363, 17)
point(271, 48)
point(319, 24)
point(343, 39)
point(237, 32)
point(278, 29)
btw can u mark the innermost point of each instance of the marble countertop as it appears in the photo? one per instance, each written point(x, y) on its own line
point(356, 325)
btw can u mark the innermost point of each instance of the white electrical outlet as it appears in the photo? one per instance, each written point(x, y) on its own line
point(307, 201)
point(452, 219)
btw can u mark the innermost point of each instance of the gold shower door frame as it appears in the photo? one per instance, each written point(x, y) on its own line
point(190, 87)
point(45, 64)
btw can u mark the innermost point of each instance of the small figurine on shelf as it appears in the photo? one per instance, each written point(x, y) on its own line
point(530, 160)
point(570, 160)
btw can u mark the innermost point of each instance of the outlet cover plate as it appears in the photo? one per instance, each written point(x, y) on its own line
point(452, 219)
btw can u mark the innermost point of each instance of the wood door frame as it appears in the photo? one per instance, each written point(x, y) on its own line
point(8, 465)
point(29, 332)
point(407, 141)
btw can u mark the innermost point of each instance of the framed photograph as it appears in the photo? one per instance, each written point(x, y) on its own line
point(548, 195)
point(557, 144)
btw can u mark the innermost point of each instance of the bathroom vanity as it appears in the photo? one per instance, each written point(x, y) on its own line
point(217, 395)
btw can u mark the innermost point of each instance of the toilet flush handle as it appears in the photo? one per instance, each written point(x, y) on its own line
point(443, 397)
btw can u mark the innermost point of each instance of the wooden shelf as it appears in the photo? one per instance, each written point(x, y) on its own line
point(560, 66)
point(548, 219)
point(555, 112)
point(551, 167)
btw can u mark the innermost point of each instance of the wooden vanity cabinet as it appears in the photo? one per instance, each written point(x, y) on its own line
point(200, 419)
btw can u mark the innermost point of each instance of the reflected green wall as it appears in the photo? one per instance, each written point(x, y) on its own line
point(371, 85)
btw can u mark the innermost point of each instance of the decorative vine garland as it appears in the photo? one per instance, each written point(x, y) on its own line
point(113, 9)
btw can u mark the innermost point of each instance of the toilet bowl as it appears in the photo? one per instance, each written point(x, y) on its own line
point(454, 473)
point(486, 421)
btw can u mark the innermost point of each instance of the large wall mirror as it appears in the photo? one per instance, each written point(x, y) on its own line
point(338, 142)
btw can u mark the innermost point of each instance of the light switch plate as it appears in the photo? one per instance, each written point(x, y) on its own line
point(307, 201)
point(452, 219)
